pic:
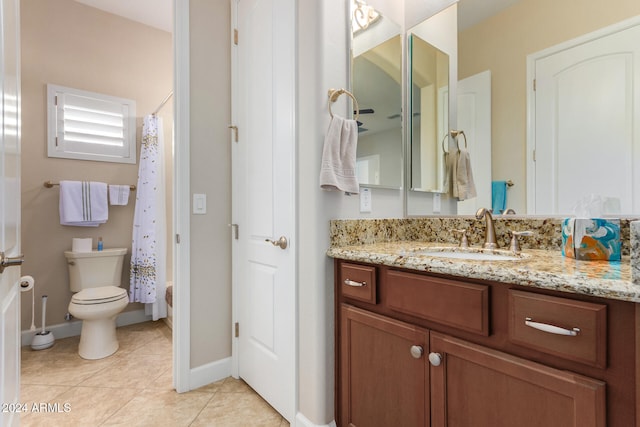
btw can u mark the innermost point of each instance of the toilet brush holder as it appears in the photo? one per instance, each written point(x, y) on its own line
point(43, 339)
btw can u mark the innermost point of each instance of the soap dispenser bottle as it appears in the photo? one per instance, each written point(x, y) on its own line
point(100, 243)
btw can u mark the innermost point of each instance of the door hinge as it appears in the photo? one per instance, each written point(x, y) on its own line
point(237, 329)
point(235, 230)
point(56, 100)
point(534, 85)
point(235, 132)
point(56, 141)
point(177, 238)
point(235, 36)
point(534, 155)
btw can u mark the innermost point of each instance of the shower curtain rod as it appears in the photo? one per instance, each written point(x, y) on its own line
point(164, 101)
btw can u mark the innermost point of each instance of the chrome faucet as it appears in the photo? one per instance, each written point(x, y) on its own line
point(490, 231)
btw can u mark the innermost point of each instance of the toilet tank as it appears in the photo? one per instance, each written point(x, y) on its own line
point(94, 269)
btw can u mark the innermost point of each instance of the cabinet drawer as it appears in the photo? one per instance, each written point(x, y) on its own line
point(573, 330)
point(358, 282)
point(449, 302)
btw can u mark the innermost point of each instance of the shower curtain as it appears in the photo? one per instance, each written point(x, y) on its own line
point(148, 250)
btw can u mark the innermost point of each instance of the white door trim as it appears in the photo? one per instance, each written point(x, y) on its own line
point(235, 371)
point(181, 204)
point(531, 100)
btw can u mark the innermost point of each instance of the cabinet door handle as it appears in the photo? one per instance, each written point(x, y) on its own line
point(435, 359)
point(355, 284)
point(545, 327)
point(417, 351)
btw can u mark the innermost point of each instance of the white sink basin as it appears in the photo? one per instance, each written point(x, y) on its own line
point(470, 254)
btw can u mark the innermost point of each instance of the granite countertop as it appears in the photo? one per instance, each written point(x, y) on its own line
point(545, 269)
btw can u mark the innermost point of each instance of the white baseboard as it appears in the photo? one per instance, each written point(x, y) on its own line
point(73, 327)
point(302, 421)
point(209, 373)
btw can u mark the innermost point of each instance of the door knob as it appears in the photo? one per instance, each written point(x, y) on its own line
point(435, 359)
point(417, 351)
point(9, 262)
point(282, 242)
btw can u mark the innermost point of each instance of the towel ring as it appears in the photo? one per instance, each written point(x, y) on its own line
point(333, 97)
point(444, 138)
point(455, 133)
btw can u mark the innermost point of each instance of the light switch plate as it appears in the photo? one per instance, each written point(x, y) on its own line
point(365, 200)
point(199, 204)
point(437, 203)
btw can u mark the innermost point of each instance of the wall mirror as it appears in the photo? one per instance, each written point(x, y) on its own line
point(376, 82)
point(500, 41)
point(432, 46)
point(429, 112)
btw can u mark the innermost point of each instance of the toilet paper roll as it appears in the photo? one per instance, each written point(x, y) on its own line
point(26, 283)
point(81, 244)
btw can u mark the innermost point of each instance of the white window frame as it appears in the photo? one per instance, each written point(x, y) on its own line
point(116, 144)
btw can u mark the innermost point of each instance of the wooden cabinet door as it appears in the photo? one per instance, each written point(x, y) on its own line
point(381, 383)
point(476, 386)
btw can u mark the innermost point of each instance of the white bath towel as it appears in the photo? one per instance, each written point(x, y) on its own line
point(119, 194)
point(83, 203)
point(464, 186)
point(338, 169)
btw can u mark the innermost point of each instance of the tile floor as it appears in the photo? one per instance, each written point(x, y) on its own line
point(133, 387)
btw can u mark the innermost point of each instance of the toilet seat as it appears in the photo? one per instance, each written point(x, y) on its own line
point(100, 295)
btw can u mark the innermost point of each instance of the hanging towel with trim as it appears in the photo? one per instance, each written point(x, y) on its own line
point(464, 186)
point(83, 203)
point(338, 169)
point(119, 194)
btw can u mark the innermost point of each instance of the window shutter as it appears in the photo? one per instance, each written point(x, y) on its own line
point(90, 126)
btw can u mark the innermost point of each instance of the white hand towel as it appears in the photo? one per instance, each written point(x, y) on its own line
point(465, 187)
point(83, 203)
point(338, 170)
point(119, 194)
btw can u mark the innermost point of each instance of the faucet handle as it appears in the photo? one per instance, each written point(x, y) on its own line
point(515, 246)
point(464, 241)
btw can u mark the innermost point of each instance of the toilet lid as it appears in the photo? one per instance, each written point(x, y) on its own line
point(99, 295)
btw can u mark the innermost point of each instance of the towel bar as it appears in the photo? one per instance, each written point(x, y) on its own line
point(49, 184)
point(333, 97)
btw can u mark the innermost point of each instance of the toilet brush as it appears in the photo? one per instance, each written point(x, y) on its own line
point(43, 339)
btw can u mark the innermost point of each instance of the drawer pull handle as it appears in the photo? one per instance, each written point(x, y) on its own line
point(545, 327)
point(355, 284)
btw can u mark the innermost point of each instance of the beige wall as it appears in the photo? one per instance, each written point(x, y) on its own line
point(210, 78)
point(69, 44)
point(502, 44)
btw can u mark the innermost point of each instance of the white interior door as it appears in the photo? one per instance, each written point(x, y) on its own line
point(586, 124)
point(263, 199)
point(9, 210)
point(474, 118)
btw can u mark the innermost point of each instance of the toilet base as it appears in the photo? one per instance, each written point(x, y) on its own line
point(98, 338)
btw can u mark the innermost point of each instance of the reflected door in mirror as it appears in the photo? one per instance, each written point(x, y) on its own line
point(586, 111)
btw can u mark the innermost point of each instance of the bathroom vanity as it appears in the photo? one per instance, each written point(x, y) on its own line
point(537, 341)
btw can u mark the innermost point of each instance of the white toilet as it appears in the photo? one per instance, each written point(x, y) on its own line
point(95, 277)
